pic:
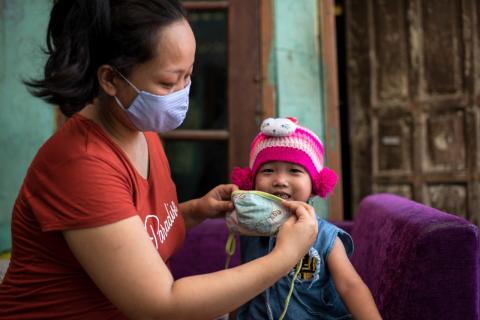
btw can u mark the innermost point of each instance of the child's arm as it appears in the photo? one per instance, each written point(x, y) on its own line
point(351, 288)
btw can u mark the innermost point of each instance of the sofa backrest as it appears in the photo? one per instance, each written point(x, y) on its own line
point(419, 262)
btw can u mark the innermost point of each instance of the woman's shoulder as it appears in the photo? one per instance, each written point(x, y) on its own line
point(78, 145)
point(78, 137)
point(78, 166)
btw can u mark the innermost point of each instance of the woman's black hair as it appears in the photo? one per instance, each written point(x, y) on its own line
point(82, 35)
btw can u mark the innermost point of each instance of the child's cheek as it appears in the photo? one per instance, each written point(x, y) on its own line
point(258, 186)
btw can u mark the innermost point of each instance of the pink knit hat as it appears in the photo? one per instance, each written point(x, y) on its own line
point(282, 139)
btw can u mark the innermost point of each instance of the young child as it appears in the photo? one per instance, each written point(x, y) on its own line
point(286, 160)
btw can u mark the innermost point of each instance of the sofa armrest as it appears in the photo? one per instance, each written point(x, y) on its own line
point(419, 262)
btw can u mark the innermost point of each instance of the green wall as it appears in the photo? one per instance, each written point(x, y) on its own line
point(296, 70)
point(25, 122)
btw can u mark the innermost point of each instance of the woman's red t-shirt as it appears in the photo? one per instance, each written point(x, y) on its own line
point(80, 179)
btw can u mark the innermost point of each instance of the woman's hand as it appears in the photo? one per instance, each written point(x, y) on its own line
point(299, 232)
point(215, 203)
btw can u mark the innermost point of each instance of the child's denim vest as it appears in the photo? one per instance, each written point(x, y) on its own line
point(314, 295)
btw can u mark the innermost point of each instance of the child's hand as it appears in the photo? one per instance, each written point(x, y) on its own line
point(299, 232)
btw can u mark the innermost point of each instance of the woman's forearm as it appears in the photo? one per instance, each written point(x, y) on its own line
point(228, 289)
point(124, 264)
point(190, 214)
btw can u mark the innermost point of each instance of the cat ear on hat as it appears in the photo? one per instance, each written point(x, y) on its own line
point(293, 119)
point(242, 177)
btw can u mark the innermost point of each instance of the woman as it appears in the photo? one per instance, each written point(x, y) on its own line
point(97, 217)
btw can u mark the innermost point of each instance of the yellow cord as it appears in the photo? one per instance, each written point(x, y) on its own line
point(287, 301)
point(230, 248)
point(5, 255)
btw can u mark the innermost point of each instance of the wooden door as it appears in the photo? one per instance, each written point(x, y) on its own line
point(413, 83)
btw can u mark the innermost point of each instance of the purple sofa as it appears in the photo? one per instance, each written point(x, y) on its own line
point(203, 250)
point(419, 262)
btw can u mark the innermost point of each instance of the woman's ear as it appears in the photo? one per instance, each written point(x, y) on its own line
point(107, 79)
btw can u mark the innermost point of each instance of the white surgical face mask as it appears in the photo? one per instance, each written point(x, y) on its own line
point(151, 112)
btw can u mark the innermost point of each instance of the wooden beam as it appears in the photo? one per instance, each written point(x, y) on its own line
point(332, 143)
point(196, 135)
point(205, 5)
point(266, 34)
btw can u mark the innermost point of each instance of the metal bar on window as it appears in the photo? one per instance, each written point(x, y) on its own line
point(196, 135)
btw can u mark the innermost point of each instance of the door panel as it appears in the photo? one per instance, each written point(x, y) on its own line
point(394, 145)
point(441, 27)
point(413, 101)
point(445, 142)
point(391, 83)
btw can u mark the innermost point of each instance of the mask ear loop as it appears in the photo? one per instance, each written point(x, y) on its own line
point(289, 296)
point(125, 78)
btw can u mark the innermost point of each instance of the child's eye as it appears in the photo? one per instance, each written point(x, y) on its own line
point(295, 170)
point(266, 170)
